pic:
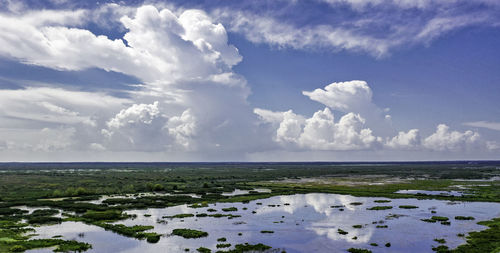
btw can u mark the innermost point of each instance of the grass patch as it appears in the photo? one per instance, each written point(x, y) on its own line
point(189, 233)
point(464, 218)
point(342, 232)
point(377, 208)
point(267, 231)
point(357, 250)
point(230, 209)
point(408, 207)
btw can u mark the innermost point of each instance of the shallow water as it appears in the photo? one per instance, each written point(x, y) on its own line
point(237, 192)
point(444, 193)
point(309, 225)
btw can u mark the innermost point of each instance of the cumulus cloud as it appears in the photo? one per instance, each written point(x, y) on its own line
point(321, 132)
point(445, 140)
point(352, 132)
point(158, 46)
point(183, 128)
point(175, 56)
point(408, 140)
point(344, 96)
point(353, 96)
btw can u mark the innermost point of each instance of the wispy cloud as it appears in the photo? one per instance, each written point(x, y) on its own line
point(484, 124)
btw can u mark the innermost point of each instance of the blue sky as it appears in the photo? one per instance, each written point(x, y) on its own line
point(262, 80)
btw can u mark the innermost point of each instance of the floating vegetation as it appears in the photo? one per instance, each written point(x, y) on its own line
point(239, 248)
point(394, 216)
point(179, 216)
point(357, 226)
point(342, 232)
point(223, 245)
point(356, 250)
point(203, 250)
point(443, 249)
point(211, 210)
point(382, 226)
point(408, 207)
point(379, 208)
point(222, 239)
point(374, 244)
point(356, 203)
point(267, 231)
point(440, 240)
point(189, 233)
point(136, 231)
point(382, 201)
point(460, 235)
point(439, 218)
point(201, 215)
point(220, 215)
point(464, 218)
point(199, 205)
point(339, 206)
point(230, 209)
point(429, 220)
point(388, 244)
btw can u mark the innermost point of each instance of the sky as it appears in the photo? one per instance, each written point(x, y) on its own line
point(263, 80)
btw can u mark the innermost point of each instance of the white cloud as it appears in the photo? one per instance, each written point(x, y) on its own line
point(136, 114)
point(408, 140)
point(484, 124)
point(445, 140)
point(321, 132)
point(159, 45)
point(344, 96)
point(263, 29)
point(183, 128)
point(376, 27)
point(55, 105)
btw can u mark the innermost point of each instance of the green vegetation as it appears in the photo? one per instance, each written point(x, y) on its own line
point(37, 184)
point(203, 250)
point(439, 218)
point(441, 249)
point(357, 226)
point(388, 244)
point(223, 245)
point(136, 231)
point(356, 250)
point(189, 233)
point(382, 226)
point(464, 218)
point(483, 241)
point(267, 231)
point(408, 207)
point(222, 239)
point(356, 203)
point(379, 208)
point(230, 209)
point(342, 232)
point(199, 205)
point(179, 216)
point(440, 240)
point(374, 244)
point(240, 248)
